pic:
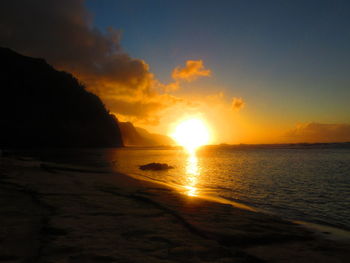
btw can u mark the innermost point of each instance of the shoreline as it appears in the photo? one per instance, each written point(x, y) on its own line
point(325, 230)
point(84, 213)
point(235, 202)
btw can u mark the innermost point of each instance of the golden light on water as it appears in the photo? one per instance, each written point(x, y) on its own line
point(192, 173)
point(191, 134)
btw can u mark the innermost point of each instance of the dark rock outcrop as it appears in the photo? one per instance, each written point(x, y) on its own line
point(43, 107)
point(135, 136)
point(156, 167)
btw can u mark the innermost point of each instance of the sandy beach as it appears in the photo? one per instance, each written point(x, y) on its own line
point(62, 213)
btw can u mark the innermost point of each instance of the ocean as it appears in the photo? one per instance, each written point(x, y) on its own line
point(308, 183)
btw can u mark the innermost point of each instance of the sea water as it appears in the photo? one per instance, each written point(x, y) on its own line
point(307, 183)
point(299, 183)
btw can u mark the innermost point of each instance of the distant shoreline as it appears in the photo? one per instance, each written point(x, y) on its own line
point(4, 150)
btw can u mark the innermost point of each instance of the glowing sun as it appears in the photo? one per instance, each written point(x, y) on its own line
point(191, 134)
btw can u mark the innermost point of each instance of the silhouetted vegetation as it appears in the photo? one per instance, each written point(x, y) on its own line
point(43, 107)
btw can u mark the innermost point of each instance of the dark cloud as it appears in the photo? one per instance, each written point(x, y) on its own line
point(62, 33)
point(320, 132)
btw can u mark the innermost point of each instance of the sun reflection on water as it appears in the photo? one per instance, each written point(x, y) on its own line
point(192, 174)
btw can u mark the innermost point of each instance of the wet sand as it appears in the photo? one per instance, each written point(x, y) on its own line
point(61, 213)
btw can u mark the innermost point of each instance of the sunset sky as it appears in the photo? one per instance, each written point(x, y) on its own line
point(255, 71)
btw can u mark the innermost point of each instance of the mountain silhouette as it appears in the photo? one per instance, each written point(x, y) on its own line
point(44, 107)
point(135, 136)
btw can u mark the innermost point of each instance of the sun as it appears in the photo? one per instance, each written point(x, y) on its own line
point(191, 134)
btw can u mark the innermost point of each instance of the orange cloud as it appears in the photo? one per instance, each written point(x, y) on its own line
point(237, 103)
point(319, 132)
point(173, 86)
point(192, 70)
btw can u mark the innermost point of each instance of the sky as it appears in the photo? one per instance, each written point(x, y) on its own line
point(288, 60)
point(255, 71)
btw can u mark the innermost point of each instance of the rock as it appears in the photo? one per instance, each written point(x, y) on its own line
point(156, 167)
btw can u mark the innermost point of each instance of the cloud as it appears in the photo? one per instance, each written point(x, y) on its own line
point(146, 111)
point(237, 103)
point(319, 132)
point(172, 86)
point(62, 33)
point(192, 70)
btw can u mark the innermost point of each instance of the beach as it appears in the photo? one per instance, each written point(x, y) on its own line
point(54, 212)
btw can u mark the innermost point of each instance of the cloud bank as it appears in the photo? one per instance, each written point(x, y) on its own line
point(319, 132)
point(62, 33)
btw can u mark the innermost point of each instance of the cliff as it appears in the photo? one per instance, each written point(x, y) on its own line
point(43, 107)
point(135, 136)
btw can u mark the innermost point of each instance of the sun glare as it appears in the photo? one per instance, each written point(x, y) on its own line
point(191, 134)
